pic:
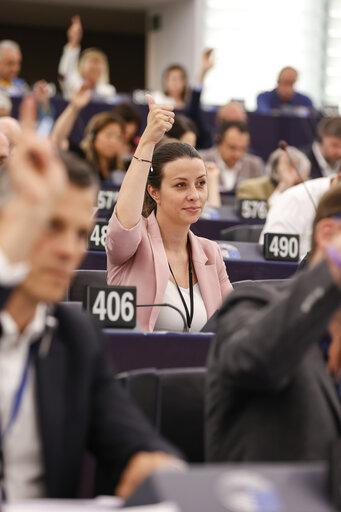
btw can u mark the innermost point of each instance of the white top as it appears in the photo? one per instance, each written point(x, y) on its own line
point(170, 320)
point(326, 168)
point(22, 450)
point(71, 80)
point(294, 212)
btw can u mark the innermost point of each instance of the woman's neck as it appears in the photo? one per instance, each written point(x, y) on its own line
point(103, 164)
point(174, 237)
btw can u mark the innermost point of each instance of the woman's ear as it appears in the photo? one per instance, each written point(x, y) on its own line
point(324, 232)
point(153, 192)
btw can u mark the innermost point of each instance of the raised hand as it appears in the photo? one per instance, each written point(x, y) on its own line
point(159, 121)
point(82, 97)
point(37, 180)
point(207, 63)
point(75, 32)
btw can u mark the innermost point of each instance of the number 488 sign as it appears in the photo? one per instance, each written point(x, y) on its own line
point(114, 306)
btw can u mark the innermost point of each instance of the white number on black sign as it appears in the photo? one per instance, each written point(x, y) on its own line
point(113, 306)
point(98, 236)
point(281, 247)
point(106, 199)
point(253, 209)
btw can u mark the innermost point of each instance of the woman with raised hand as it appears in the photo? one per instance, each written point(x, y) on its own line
point(156, 251)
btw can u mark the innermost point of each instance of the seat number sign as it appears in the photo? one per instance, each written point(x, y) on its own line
point(98, 236)
point(281, 247)
point(106, 199)
point(252, 209)
point(114, 306)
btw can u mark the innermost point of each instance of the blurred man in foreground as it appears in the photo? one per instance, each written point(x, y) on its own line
point(270, 394)
point(59, 395)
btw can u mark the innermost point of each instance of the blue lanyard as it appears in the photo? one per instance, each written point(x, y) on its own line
point(18, 396)
point(12, 417)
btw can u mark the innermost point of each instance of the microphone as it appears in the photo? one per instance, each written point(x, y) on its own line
point(165, 304)
point(283, 145)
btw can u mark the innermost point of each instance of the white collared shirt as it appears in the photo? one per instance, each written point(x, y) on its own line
point(326, 168)
point(22, 451)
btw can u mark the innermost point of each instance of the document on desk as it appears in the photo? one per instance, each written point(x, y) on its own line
point(96, 505)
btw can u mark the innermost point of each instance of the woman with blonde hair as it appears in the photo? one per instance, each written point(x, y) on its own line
point(91, 66)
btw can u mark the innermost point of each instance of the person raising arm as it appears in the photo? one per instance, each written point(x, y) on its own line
point(149, 243)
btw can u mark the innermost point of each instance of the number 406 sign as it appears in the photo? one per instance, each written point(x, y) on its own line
point(114, 306)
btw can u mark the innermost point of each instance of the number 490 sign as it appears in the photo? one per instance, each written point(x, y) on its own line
point(114, 306)
point(281, 247)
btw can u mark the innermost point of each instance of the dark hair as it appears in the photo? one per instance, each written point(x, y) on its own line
point(163, 155)
point(175, 67)
point(96, 124)
point(329, 206)
point(329, 127)
point(226, 125)
point(182, 125)
point(79, 172)
point(129, 113)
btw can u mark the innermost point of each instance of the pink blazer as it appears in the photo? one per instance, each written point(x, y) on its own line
point(136, 257)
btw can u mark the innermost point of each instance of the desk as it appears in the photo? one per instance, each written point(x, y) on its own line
point(213, 220)
point(133, 350)
point(249, 264)
point(265, 130)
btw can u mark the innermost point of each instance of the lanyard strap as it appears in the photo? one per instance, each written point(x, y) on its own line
point(189, 314)
point(18, 396)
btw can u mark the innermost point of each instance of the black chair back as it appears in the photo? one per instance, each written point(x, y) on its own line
point(242, 233)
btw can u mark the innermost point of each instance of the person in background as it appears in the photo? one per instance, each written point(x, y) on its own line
point(231, 111)
point(271, 396)
point(5, 105)
point(11, 128)
point(184, 130)
point(103, 142)
point(230, 155)
point(149, 243)
point(10, 66)
point(280, 175)
point(294, 210)
point(91, 66)
point(133, 120)
point(285, 98)
point(325, 152)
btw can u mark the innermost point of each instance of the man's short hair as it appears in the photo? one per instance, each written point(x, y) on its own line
point(227, 125)
point(329, 127)
point(79, 172)
point(9, 44)
point(329, 206)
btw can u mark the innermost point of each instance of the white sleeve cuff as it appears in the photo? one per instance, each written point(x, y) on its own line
point(11, 274)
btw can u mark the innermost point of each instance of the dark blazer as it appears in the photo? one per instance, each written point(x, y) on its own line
point(315, 170)
point(269, 396)
point(81, 406)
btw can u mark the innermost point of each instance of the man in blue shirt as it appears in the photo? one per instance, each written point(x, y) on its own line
point(284, 98)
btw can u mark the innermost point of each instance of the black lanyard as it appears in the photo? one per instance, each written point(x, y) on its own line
point(189, 314)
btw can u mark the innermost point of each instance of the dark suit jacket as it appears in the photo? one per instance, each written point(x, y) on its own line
point(269, 396)
point(81, 406)
point(315, 171)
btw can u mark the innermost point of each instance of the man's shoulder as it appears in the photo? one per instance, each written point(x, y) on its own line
point(77, 325)
point(209, 154)
point(303, 99)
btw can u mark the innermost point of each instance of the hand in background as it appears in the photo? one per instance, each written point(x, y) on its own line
point(75, 32)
